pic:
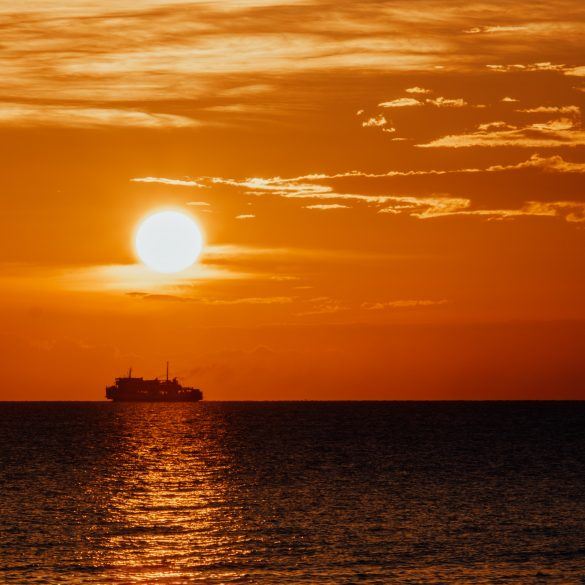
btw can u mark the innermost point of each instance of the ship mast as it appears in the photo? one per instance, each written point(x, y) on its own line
point(167, 371)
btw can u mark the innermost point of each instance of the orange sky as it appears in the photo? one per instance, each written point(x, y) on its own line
point(391, 194)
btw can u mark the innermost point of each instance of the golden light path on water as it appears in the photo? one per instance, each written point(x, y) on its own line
point(170, 499)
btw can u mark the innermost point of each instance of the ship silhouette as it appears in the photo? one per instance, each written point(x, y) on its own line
point(129, 389)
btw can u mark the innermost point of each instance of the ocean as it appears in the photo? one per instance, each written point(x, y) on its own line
point(292, 492)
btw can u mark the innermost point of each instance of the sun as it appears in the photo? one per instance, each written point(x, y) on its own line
point(168, 241)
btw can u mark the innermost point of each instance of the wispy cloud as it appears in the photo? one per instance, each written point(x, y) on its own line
point(211, 301)
point(425, 207)
point(554, 164)
point(401, 103)
point(327, 305)
point(402, 304)
point(439, 102)
point(516, 67)
point(495, 29)
point(173, 182)
point(311, 186)
point(421, 206)
point(15, 114)
point(318, 191)
point(433, 207)
point(202, 206)
point(158, 51)
point(551, 134)
point(567, 110)
point(324, 306)
point(575, 71)
point(326, 206)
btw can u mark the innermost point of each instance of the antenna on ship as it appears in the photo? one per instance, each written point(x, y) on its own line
point(130, 372)
point(167, 371)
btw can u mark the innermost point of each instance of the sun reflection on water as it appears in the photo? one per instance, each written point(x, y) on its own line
point(168, 498)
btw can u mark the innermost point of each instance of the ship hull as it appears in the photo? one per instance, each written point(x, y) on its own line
point(154, 399)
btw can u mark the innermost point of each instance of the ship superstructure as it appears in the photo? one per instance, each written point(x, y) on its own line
point(132, 389)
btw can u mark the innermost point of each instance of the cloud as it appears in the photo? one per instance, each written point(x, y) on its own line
point(212, 301)
point(311, 187)
point(571, 211)
point(174, 182)
point(246, 301)
point(556, 164)
point(316, 194)
point(160, 50)
point(23, 115)
point(378, 121)
point(551, 134)
point(156, 297)
point(401, 304)
point(494, 29)
point(416, 89)
point(442, 102)
point(498, 125)
point(576, 71)
point(570, 110)
point(433, 207)
point(509, 99)
point(425, 207)
point(327, 305)
point(198, 54)
point(324, 306)
point(201, 205)
point(401, 103)
point(543, 66)
point(252, 89)
point(294, 189)
point(326, 206)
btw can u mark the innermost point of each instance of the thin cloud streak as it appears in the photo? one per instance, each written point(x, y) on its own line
point(327, 206)
point(402, 304)
point(423, 207)
point(173, 182)
point(311, 187)
point(24, 115)
point(562, 132)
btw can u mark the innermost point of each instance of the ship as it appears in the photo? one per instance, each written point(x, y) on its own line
point(133, 389)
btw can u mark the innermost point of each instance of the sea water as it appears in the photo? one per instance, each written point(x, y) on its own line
point(308, 492)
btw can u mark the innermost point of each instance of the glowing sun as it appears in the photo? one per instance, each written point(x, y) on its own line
point(168, 241)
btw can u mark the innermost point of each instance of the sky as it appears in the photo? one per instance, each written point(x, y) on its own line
point(391, 196)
